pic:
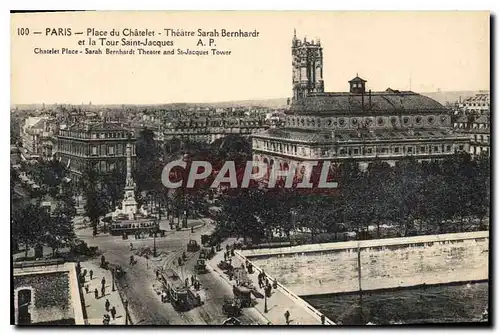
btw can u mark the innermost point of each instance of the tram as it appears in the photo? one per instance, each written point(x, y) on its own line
point(176, 290)
point(130, 228)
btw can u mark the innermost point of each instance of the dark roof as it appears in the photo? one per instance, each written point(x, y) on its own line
point(389, 101)
point(357, 79)
point(311, 136)
point(478, 97)
point(98, 126)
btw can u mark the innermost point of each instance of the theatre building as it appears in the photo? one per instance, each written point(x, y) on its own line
point(357, 124)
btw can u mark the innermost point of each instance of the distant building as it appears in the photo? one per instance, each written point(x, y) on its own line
point(479, 131)
point(359, 124)
point(37, 137)
point(480, 103)
point(99, 145)
point(209, 129)
point(47, 293)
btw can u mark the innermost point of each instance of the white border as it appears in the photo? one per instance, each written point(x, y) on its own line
point(195, 5)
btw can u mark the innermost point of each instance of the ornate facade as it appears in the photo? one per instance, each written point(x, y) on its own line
point(357, 124)
point(103, 145)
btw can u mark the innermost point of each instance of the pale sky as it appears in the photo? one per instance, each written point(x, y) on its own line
point(437, 50)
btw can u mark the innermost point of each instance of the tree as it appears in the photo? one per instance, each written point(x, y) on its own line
point(59, 231)
point(96, 205)
point(113, 185)
point(238, 215)
point(148, 170)
point(29, 224)
point(480, 190)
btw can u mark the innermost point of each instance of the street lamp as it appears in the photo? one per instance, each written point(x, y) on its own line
point(154, 238)
point(113, 280)
point(125, 304)
point(265, 302)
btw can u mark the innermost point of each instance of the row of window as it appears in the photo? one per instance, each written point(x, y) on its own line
point(481, 138)
point(424, 149)
point(102, 165)
point(277, 147)
point(84, 149)
point(345, 122)
point(477, 104)
point(474, 125)
point(104, 135)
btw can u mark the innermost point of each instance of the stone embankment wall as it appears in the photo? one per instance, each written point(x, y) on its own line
point(385, 263)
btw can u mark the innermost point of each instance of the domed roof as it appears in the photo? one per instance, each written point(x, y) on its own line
point(388, 101)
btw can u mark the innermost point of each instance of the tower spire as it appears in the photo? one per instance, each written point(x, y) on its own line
point(294, 33)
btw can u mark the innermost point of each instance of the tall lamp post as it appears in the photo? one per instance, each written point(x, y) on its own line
point(265, 302)
point(186, 159)
point(154, 237)
point(125, 304)
point(113, 280)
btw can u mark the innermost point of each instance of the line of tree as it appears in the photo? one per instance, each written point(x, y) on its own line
point(440, 196)
point(36, 225)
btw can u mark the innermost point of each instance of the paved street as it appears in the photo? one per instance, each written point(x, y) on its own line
point(139, 283)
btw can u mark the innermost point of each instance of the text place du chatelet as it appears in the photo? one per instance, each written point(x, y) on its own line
point(133, 41)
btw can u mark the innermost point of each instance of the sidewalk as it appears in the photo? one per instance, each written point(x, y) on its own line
point(277, 304)
point(96, 307)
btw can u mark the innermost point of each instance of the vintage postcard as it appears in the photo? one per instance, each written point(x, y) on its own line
point(250, 168)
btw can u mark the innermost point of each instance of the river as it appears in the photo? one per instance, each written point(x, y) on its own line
point(435, 304)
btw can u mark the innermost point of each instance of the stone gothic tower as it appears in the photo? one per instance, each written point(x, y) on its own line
point(307, 67)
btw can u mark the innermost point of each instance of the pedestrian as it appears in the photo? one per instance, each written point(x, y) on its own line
point(103, 260)
point(96, 293)
point(106, 304)
point(91, 273)
point(103, 291)
point(113, 312)
point(192, 280)
point(103, 282)
point(131, 259)
point(163, 296)
point(287, 317)
point(322, 319)
point(186, 282)
point(105, 320)
point(78, 267)
point(87, 289)
point(225, 257)
point(131, 246)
